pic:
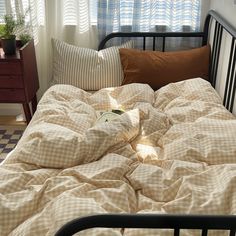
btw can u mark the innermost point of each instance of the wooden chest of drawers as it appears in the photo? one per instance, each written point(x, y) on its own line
point(19, 78)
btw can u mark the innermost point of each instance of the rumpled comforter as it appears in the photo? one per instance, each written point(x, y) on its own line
point(172, 151)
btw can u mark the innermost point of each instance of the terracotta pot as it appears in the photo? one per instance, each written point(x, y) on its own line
point(9, 46)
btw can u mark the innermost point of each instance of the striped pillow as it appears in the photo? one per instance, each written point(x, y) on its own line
point(87, 68)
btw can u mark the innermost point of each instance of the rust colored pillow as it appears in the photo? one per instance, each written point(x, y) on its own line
point(160, 68)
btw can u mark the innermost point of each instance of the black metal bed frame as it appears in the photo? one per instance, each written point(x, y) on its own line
point(220, 25)
point(154, 221)
point(175, 222)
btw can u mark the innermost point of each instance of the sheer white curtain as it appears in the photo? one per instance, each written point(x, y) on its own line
point(146, 15)
point(151, 16)
point(68, 20)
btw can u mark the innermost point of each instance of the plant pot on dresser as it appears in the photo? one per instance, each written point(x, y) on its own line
point(19, 78)
point(9, 46)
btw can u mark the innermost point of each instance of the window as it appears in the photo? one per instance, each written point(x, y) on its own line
point(75, 11)
point(93, 11)
point(2, 9)
point(147, 16)
point(144, 15)
point(174, 13)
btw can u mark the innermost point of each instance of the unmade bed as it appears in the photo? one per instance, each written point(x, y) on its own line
point(170, 152)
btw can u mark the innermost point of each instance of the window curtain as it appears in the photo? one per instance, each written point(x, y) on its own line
point(67, 20)
point(149, 15)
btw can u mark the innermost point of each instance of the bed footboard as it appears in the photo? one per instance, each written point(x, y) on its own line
point(155, 221)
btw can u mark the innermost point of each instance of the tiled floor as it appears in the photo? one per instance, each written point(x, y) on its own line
point(8, 139)
point(10, 133)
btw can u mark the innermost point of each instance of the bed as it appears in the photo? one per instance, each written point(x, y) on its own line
point(165, 166)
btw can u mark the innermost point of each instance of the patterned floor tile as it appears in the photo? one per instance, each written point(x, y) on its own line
point(9, 137)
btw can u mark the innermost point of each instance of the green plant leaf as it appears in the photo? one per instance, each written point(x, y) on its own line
point(25, 38)
point(13, 25)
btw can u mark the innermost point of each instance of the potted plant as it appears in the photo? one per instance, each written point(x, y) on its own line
point(9, 30)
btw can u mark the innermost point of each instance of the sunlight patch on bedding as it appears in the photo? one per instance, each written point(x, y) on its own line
point(146, 151)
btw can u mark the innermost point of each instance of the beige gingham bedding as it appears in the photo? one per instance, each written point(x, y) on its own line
point(172, 151)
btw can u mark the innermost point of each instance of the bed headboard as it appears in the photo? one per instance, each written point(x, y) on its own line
point(219, 34)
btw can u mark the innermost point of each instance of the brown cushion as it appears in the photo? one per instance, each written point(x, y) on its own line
point(160, 68)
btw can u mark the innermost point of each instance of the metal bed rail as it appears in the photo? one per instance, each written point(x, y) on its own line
point(154, 221)
point(221, 25)
point(153, 35)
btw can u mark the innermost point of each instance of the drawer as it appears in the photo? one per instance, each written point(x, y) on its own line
point(13, 68)
point(11, 81)
point(12, 95)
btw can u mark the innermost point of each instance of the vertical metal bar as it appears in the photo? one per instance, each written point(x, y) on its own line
point(213, 53)
point(218, 47)
point(144, 43)
point(176, 232)
point(154, 44)
point(231, 80)
point(228, 72)
point(206, 30)
point(233, 88)
point(163, 44)
point(204, 232)
point(233, 95)
point(216, 53)
point(232, 232)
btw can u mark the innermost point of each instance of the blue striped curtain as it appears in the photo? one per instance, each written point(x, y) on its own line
point(148, 15)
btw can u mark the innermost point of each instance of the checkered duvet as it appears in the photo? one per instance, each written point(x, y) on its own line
point(172, 151)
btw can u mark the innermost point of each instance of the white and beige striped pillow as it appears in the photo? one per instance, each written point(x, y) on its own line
point(87, 68)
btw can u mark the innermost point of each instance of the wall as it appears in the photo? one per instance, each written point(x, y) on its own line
point(7, 109)
point(205, 8)
point(226, 8)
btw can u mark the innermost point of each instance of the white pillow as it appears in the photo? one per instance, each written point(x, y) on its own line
point(86, 68)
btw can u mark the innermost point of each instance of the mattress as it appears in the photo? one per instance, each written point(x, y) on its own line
point(171, 151)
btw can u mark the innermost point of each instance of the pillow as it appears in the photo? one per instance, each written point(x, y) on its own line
point(86, 68)
point(160, 68)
